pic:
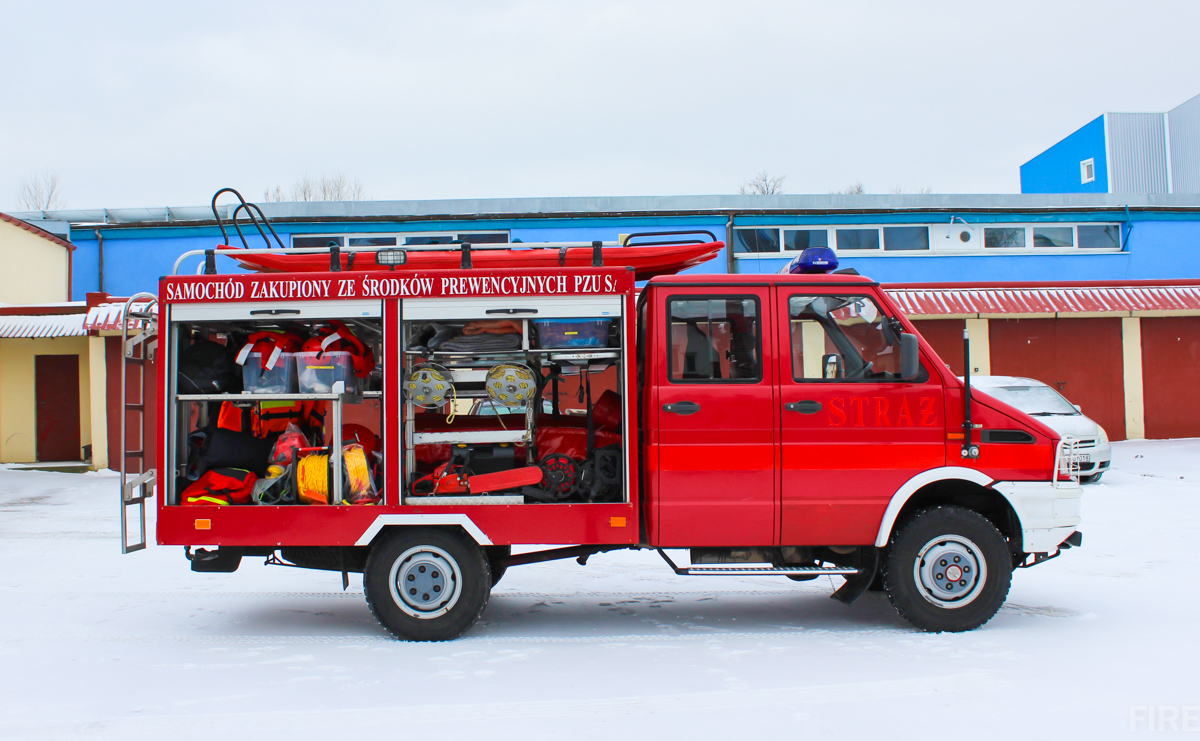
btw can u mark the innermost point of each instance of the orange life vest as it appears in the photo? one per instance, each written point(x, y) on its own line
point(273, 415)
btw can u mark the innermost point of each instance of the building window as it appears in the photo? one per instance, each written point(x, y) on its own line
point(372, 241)
point(858, 239)
point(1002, 237)
point(318, 242)
point(1053, 236)
point(391, 240)
point(905, 238)
point(755, 240)
point(1087, 170)
point(802, 239)
point(1100, 236)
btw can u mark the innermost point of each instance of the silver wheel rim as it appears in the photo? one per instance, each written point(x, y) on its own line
point(950, 571)
point(425, 582)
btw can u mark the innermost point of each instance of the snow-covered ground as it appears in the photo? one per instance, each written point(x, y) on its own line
point(95, 644)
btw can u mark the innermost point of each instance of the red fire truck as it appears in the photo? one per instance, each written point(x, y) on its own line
point(793, 425)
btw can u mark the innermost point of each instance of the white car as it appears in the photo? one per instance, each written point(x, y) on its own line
point(1052, 409)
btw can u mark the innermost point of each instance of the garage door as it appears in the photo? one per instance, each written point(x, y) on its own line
point(946, 337)
point(1171, 376)
point(1079, 357)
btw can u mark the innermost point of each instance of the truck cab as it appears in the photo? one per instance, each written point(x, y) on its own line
point(802, 419)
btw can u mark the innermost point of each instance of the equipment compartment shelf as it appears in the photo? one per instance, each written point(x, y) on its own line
point(468, 437)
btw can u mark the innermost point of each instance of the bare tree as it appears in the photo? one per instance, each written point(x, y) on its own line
point(762, 184)
point(336, 187)
point(899, 190)
point(41, 192)
point(855, 189)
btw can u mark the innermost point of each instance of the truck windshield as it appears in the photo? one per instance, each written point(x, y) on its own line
point(1033, 400)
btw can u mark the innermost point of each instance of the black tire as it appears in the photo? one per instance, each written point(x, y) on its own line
point(495, 556)
point(1094, 478)
point(934, 554)
point(448, 580)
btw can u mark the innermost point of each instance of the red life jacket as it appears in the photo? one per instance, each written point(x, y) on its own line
point(337, 337)
point(272, 415)
point(220, 486)
point(270, 345)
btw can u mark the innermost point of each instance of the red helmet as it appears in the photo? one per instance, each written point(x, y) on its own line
point(337, 337)
point(270, 345)
point(355, 433)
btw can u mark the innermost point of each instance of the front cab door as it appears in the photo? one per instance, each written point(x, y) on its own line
point(716, 419)
point(852, 431)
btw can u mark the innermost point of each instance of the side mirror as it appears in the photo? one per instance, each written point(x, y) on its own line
point(1078, 408)
point(910, 357)
point(831, 366)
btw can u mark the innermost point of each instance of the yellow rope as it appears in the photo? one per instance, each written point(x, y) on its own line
point(312, 479)
point(312, 475)
point(453, 402)
point(358, 472)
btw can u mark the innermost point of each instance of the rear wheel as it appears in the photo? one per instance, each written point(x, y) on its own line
point(426, 585)
point(948, 569)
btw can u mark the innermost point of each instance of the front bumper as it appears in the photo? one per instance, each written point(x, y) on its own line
point(1048, 514)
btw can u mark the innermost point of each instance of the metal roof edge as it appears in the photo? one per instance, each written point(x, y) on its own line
point(564, 206)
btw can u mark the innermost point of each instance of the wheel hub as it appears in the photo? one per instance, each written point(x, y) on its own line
point(950, 571)
point(425, 582)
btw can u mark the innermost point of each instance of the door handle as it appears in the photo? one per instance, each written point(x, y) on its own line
point(682, 407)
point(804, 407)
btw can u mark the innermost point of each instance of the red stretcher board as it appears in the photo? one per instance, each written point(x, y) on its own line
point(647, 261)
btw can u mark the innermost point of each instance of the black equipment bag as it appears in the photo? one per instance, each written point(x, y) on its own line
point(207, 367)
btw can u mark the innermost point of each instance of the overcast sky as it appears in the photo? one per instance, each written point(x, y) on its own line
point(159, 104)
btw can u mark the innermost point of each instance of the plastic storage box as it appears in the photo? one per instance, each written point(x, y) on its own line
point(278, 380)
point(567, 333)
point(319, 371)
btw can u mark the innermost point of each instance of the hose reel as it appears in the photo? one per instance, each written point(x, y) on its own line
point(429, 386)
point(511, 385)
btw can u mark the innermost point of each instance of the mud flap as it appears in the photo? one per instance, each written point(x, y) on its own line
point(220, 561)
point(855, 585)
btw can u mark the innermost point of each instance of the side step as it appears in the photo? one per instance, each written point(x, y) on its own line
point(708, 570)
point(858, 578)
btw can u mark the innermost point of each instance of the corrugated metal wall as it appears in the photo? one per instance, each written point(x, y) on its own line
point(1185, 147)
point(1137, 152)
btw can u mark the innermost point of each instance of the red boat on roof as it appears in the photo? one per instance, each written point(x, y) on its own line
point(646, 260)
point(671, 252)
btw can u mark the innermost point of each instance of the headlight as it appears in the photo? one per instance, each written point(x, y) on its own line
point(1103, 436)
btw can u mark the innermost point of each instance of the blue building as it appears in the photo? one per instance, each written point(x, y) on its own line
point(894, 238)
point(1125, 153)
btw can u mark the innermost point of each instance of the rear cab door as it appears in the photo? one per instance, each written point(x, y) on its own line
point(714, 420)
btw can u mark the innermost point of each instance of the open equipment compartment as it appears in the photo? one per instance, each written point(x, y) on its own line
point(229, 419)
point(498, 412)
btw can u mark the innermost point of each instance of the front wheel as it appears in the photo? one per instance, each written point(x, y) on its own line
point(948, 569)
point(426, 585)
point(1092, 479)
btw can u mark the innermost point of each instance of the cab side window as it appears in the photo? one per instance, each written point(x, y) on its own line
point(842, 338)
point(714, 340)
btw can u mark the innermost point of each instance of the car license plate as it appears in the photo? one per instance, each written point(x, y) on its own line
point(1084, 457)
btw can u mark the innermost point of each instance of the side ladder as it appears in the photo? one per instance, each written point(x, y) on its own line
point(136, 351)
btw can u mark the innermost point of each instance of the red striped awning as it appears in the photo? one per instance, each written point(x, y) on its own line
point(41, 326)
point(107, 317)
point(946, 301)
